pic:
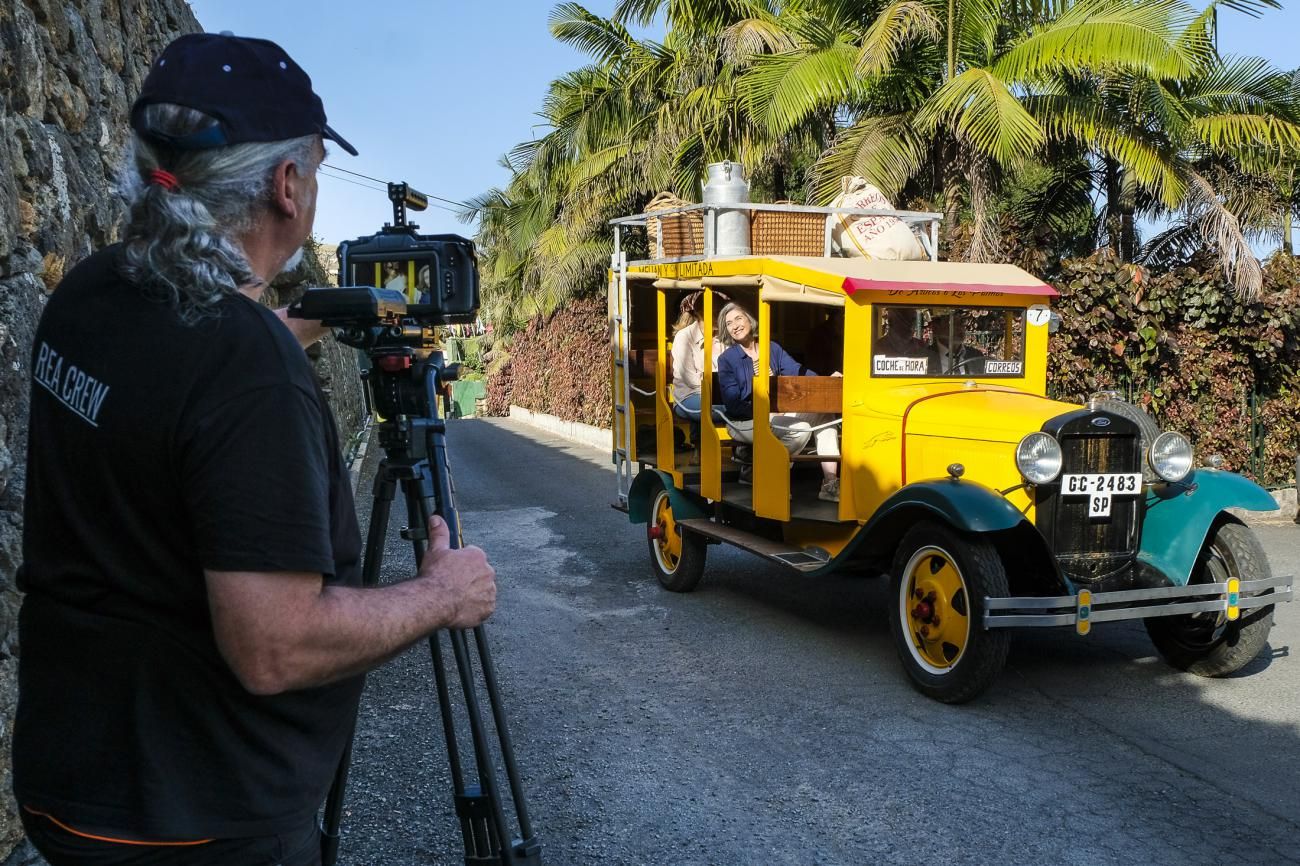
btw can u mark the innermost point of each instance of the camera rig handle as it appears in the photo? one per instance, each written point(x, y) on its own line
point(404, 196)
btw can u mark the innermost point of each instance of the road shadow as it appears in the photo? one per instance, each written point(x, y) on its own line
point(1085, 750)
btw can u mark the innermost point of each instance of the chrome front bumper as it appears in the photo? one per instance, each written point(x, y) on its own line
point(1086, 607)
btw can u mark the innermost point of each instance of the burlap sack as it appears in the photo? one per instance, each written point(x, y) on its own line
point(872, 237)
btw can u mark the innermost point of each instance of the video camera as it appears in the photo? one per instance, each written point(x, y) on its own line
point(397, 284)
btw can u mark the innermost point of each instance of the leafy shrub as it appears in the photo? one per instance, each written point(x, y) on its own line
point(1182, 344)
point(559, 365)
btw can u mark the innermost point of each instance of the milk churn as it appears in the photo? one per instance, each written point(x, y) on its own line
point(726, 184)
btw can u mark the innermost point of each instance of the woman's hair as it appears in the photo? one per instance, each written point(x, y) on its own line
point(181, 243)
point(690, 311)
point(723, 334)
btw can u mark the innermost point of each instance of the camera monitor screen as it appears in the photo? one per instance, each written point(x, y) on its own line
point(410, 276)
point(438, 273)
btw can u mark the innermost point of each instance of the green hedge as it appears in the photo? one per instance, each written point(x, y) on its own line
point(558, 365)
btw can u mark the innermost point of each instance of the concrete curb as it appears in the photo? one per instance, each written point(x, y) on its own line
point(574, 431)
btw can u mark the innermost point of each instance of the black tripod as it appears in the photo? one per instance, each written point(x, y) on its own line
point(403, 386)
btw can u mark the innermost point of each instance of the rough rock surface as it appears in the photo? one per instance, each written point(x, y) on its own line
point(68, 72)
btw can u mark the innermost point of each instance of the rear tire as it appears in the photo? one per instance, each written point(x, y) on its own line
point(1207, 644)
point(938, 583)
point(676, 555)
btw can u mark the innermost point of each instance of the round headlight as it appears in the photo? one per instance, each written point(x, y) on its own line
point(1038, 457)
point(1171, 456)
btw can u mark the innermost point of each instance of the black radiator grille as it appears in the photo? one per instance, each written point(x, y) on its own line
point(1087, 548)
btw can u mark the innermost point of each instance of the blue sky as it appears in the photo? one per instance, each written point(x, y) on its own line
point(433, 92)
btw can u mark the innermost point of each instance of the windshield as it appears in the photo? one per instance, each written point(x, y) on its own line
point(958, 341)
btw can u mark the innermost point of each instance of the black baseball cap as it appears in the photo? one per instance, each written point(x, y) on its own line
point(251, 86)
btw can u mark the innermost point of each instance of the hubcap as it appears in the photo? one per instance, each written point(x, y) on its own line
point(935, 610)
point(665, 535)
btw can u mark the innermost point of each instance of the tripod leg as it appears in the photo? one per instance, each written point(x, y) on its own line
point(419, 505)
point(487, 804)
point(528, 841)
point(479, 831)
point(384, 489)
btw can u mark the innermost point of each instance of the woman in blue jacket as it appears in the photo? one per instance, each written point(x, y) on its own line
point(737, 367)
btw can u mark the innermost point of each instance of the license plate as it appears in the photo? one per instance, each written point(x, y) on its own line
point(1110, 483)
point(1100, 487)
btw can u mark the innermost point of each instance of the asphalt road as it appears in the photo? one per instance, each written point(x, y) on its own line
point(765, 719)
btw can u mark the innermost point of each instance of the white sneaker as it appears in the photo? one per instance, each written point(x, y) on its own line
point(830, 491)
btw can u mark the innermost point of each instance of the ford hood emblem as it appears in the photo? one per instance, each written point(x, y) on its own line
point(1101, 421)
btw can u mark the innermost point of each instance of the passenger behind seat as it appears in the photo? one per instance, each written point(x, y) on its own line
point(736, 371)
point(688, 359)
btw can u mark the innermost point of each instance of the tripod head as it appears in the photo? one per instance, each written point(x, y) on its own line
point(407, 370)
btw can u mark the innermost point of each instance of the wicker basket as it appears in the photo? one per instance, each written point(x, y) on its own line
point(787, 233)
point(674, 236)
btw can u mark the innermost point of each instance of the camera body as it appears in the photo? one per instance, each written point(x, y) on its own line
point(398, 281)
point(437, 274)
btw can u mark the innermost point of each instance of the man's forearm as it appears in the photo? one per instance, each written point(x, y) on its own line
point(287, 630)
point(276, 637)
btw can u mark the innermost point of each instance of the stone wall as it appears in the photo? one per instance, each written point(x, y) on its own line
point(68, 72)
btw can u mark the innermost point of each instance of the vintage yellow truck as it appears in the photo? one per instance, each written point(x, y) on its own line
point(987, 504)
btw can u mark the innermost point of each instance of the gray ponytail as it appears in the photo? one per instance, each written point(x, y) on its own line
point(181, 245)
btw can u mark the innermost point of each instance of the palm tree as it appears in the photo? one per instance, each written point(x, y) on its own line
point(938, 102)
point(941, 88)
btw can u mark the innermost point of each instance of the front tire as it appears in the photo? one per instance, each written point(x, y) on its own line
point(938, 584)
point(1207, 644)
point(676, 555)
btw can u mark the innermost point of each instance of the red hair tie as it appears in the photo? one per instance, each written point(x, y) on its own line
point(164, 178)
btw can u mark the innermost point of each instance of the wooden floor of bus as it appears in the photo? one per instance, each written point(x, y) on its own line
point(804, 487)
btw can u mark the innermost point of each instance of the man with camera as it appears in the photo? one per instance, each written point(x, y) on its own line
point(194, 632)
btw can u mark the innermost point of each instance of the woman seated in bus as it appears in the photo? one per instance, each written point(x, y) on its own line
point(688, 358)
point(736, 371)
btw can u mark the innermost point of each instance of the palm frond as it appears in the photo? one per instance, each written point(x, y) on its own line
point(897, 25)
point(1095, 35)
point(980, 108)
point(1253, 8)
point(1084, 120)
point(782, 91)
point(887, 151)
point(1219, 229)
point(750, 37)
point(1228, 133)
point(602, 39)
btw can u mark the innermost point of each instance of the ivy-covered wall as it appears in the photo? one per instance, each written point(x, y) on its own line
point(1219, 370)
point(558, 365)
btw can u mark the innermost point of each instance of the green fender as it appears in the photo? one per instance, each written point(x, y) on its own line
point(642, 494)
point(1179, 518)
point(965, 505)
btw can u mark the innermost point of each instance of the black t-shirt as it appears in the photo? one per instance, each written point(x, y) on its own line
point(158, 450)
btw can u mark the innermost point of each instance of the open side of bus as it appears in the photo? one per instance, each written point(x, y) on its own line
point(827, 314)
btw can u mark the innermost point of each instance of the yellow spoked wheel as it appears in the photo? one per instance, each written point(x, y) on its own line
point(676, 555)
point(665, 535)
point(939, 582)
point(937, 608)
